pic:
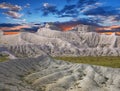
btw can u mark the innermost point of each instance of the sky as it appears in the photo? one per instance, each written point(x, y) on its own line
point(99, 12)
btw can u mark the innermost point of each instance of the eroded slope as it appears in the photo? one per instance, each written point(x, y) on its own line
point(45, 74)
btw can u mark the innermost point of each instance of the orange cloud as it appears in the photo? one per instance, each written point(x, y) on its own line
point(67, 26)
point(14, 28)
point(117, 33)
point(10, 33)
point(108, 28)
point(107, 33)
point(10, 30)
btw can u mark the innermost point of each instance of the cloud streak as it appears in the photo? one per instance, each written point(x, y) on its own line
point(18, 27)
point(10, 7)
point(13, 14)
point(12, 11)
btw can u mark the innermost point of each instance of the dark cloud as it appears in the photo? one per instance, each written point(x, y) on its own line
point(105, 11)
point(8, 25)
point(31, 29)
point(96, 13)
point(117, 18)
point(67, 9)
point(106, 15)
point(89, 21)
point(10, 7)
point(83, 3)
point(49, 8)
point(85, 21)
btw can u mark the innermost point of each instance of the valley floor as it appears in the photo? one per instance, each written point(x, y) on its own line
point(109, 61)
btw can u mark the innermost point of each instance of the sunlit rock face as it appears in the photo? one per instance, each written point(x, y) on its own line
point(78, 42)
point(1, 33)
point(31, 69)
point(45, 74)
point(85, 28)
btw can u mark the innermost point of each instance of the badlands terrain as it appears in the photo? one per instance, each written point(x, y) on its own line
point(46, 74)
point(30, 66)
point(79, 42)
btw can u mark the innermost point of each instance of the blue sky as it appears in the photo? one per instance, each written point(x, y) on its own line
point(102, 12)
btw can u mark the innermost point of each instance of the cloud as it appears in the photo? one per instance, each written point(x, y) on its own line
point(48, 8)
point(27, 5)
point(105, 20)
point(117, 18)
point(103, 10)
point(86, 21)
point(67, 8)
point(67, 15)
point(12, 11)
point(89, 21)
point(70, 10)
point(107, 15)
point(13, 14)
point(8, 25)
point(83, 3)
point(90, 7)
point(10, 7)
point(47, 5)
point(66, 11)
point(15, 27)
point(92, 12)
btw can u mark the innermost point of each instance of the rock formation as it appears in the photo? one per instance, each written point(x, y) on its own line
point(30, 67)
point(70, 43)
point(45, 74)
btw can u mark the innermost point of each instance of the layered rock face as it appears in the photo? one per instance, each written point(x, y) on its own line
point(70, 43)
point(31, 69)
point(46, 74)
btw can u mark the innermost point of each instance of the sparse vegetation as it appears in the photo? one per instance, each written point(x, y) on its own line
point(110, 61)
point(4, 89)
point(3, 57)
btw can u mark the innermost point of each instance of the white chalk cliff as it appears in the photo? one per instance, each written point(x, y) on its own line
point(71, 43)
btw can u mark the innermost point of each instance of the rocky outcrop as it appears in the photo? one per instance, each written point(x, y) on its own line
point(1, 33)
point(45, 74)
point(70, 43)
point(36, 71)
point(25, 51)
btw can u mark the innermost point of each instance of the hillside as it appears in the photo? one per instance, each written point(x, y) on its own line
point(46, 74)
point(70, 43)
point(29, 66)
